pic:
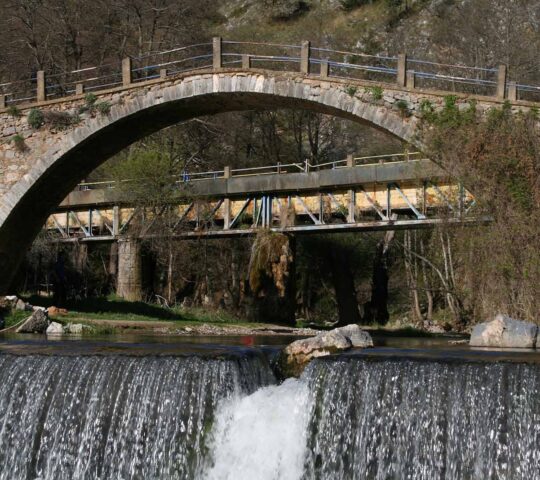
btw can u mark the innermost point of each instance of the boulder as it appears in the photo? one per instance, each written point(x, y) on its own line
point(75, 328)
point(55, 328)
point(504, 332)
point(55, 311)
point(358, 337)
point(7, 303)
point(35, 323)
point(23, 306)
point(298, 354)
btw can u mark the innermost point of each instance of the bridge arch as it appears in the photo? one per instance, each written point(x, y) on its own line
point(56, 160)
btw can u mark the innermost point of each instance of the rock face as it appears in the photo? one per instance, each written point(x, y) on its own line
point(504, 332)
point(35, 323)
point(298, 354)
point(55, 329)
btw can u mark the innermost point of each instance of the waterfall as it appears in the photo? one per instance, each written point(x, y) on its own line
point(262, 436)
point(113, 416)
point(385, 419)
point(102, 417)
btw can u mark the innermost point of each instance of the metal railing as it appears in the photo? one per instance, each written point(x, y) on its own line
point(406, 72)
point(278, 168)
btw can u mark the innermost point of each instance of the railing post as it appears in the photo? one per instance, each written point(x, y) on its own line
point(246, 61)
point(41, 93)
point(216, 51)
point(411, 79)
point(350, 161)
point(126, 71)
point(79, 89)
point(227, 202)
point(304, 57)
point(2, 101)
point(402, 70)
point(163, 73)
point(325, 70)
point(512, 91)
point(501, 82)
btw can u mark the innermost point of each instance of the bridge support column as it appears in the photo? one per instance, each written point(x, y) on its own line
point(129, 284)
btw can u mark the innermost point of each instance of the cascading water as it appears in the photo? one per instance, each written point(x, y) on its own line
point(113, 416)
point(366, 419)
point(220, 419)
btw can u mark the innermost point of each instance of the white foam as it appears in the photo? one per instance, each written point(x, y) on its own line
point(262, 436)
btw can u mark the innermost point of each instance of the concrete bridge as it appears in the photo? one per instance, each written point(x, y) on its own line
point(52, 135)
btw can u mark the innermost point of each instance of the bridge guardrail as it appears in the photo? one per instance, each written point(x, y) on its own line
point(278, 168)
point(406, 72)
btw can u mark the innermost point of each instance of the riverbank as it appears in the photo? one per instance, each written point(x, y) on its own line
point(111, 315)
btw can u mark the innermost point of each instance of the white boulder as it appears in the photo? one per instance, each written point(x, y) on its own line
point(504, 332)
point(55, 328)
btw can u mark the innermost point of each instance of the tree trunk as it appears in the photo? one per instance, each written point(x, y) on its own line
point(376, 310)
point(343, 280)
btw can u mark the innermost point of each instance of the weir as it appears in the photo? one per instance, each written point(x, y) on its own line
point(221, 418)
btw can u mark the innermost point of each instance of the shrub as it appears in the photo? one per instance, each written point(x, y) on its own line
point(59, 119)
point(19, 143)
point(351, 91)
point(403, 108)
point(352, 4)
point(103, 107)
point(376, 92)
point(285, 9)
point(90, 99)
point(36, 118)
point(13, 111)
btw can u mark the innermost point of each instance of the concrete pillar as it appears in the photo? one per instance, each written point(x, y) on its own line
point(402, 70)
point(325, 71)
point(2, 101)
point(411, 79)
point(41, 91)
point(216, 50)
point(126, 71)
point(501, 82)
point(246, 62)
point(304, 57)
point(79, 89)
point(512, 91)
point(163, 73)
point(129, 284)
point(350, 161)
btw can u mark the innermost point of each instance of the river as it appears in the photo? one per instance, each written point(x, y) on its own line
point(143, 408)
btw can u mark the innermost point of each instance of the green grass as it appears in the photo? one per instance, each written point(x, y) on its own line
point(116, 309)
point(15, 317)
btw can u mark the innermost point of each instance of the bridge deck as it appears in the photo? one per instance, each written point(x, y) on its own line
point(397, 195)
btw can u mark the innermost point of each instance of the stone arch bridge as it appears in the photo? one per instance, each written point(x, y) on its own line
point(52, 134)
